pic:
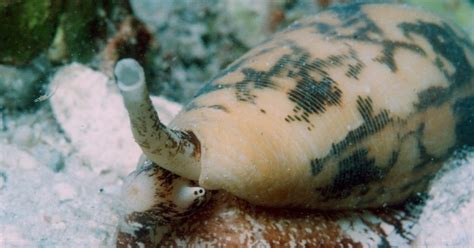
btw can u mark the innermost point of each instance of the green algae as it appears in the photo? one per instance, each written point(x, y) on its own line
point(27, 28)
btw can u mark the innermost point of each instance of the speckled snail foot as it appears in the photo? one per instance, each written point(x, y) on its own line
point(356, 107)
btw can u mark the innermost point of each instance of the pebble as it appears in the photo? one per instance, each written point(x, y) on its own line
point(49, 156)
point(64, 191)
point(14, 156)
point(23, 136)
point(3, 180)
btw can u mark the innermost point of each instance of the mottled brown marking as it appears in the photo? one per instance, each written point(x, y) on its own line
point(191, 138)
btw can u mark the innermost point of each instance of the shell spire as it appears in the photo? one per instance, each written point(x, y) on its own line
point(174, 150)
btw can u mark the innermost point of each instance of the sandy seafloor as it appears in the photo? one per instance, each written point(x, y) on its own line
point(62, 166)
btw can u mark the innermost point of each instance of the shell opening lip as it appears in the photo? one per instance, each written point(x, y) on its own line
point(129, 74)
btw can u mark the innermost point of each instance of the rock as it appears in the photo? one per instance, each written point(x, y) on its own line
point(82, 24)
point(20, 86)
point(76, 32)
point(66, 30)
point(132, 40)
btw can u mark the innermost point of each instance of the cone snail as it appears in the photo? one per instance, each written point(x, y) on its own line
point(356, 107)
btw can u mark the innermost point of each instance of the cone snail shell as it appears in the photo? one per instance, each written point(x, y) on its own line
point(355, 107)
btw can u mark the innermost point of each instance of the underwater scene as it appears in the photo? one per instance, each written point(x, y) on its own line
point(237, 123)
